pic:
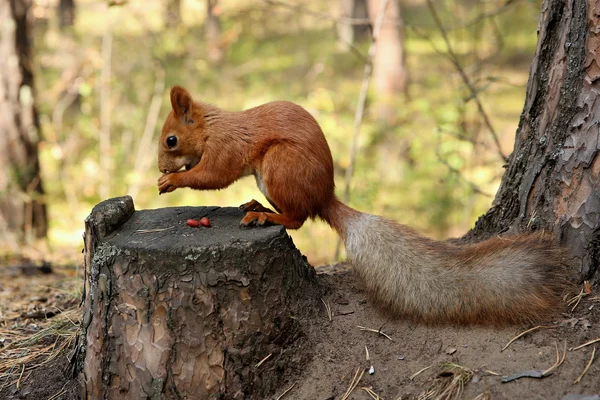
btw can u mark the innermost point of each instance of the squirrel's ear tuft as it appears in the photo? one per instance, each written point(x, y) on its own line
point(181, 101)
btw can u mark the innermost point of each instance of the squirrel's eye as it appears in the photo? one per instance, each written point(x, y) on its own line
point(172, 141)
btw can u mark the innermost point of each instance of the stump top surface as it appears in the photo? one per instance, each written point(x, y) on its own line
point(166, 228)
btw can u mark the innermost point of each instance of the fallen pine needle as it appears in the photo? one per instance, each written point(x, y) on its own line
point(558, 362)
point(153, 230)
point(589, 364)
point(20, 376)
point(263, 360)
point(378, 331)
point(57, 395)
point(483, 396)
point(536, 373)
point(413, 376)
point(371, 393)
point(523, 334)
point(449, 383)
point(487, 371)
point(353, 384)
point(586, 344)
point(286, 390)
point(328, 309)
point(577, 299)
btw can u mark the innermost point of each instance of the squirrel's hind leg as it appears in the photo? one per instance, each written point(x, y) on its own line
point(262, 218)
point(254, 205)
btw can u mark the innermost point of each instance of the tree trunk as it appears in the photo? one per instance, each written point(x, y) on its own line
point(66, 13)
point(552, 178)
point(212, 32)
point(172, 311)
point(22, 207)
point(351, 32)
point(173, 13)
point(389, 64)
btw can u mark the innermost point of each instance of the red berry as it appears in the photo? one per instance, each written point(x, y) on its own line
point(205, 222)
point(192, 222)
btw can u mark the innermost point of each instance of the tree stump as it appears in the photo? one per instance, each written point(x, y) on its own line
point(172, 311)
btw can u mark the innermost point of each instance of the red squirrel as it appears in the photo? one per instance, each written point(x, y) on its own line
point(498, 281)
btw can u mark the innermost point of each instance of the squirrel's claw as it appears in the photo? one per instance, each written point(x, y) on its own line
point(166, 184)
point(254, 218)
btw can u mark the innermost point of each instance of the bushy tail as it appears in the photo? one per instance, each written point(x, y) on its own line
point(498, 281)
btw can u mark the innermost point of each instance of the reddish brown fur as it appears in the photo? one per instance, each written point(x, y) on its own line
point(225, 146)
point(284, 148)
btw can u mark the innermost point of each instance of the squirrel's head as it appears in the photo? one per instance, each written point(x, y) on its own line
point(181, 142)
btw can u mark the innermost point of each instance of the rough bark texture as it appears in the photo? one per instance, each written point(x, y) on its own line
point(177, 312)
point(22, 208)
point(552, 178)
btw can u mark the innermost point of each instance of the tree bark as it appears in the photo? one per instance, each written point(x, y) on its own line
point(172, 311)
point(552, 177)
point(22, 207)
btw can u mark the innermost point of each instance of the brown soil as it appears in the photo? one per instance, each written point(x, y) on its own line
point(340, 347)
point(33, 297)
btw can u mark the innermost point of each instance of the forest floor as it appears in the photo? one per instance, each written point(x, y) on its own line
point(39, 317)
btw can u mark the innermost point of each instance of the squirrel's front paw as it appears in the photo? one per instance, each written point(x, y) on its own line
point(167, 183)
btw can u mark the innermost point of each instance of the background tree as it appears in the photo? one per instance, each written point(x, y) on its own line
point(173, 13)
point(22, 203)
point(390, 77)
point(66, 13)
point(552, 180)
point(350, 30)
point(212, 32)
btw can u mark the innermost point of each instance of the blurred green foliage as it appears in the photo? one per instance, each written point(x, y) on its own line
point(434, 168)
